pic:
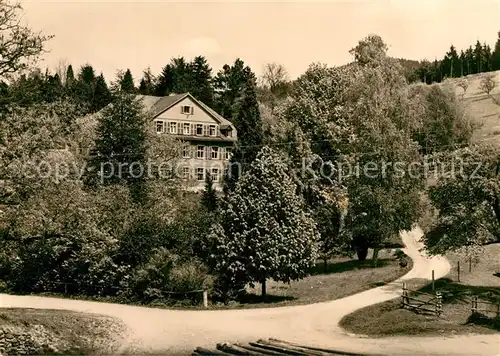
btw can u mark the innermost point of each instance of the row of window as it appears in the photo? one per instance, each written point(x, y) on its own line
point(188, 128)
point(207, 152)
point(215, 173)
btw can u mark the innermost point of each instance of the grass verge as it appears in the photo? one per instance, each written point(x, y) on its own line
point(483, 281)
point(343, 277)
point(57, 332)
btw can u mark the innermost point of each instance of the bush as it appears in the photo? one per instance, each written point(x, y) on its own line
point(65, 264)
point(166, 278)
point(401, 257)
point(3, 286)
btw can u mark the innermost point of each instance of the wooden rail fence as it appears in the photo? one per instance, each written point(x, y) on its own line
point(424, 302)
point(475, 307)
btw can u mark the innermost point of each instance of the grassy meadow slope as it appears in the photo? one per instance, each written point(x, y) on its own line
point(482, 108)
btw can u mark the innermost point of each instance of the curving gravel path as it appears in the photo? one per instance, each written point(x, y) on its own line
point(176, 331)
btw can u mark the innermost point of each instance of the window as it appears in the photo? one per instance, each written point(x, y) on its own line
point(200, 152)
point(199, 129)
point(214, 153)
point(187, 129)
point(227, 153)
point(173, 127)
point(212, 130)
point(186, 151)
point(185, 172)
point(200, 173)
point(159, 126)
point(186, 109)
point(215, 174)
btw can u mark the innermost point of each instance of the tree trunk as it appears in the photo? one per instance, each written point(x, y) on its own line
point(263, 282)
point(325, 265)
point(362, 252)
point(375, 256)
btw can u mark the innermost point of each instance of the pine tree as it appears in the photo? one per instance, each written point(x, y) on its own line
point(84, 86)
point(469, 57)
point(87, 74)
point(147, 84)
point(209, 197)
point(120, 147)
point(182, 81)
point(450, 63)
point(487, 56)
point(52, 89)
point(462, 63)
point(237, 101)
point(437, 73)
point(126, 82)
point(201, 80)
point(70, 77)
point(478, 57)
point(264, 231)
point(229, 83)
point(102, 94)
point(496, 55)
point(164, 84)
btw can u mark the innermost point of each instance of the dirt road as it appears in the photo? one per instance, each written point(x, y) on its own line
point(175, 331)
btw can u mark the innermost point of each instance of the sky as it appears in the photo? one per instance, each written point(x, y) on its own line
point(114, 35)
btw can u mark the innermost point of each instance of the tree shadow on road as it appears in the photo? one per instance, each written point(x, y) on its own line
point(351, 265)
point(252, 298)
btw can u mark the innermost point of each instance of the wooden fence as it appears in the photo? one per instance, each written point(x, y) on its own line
point(421, 302)
point(495, 307)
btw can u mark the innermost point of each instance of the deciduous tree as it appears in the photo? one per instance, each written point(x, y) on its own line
point(264, 231)
point(19, 45)
point(383, 199)
point(488, 83)
point(467, 197)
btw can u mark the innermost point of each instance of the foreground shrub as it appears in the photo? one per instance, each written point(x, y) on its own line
point(166, 278)
point(55, 263)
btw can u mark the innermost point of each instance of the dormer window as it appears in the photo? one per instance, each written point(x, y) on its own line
point(186, 109)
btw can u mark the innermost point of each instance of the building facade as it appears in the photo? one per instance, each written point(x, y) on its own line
point(208, 138)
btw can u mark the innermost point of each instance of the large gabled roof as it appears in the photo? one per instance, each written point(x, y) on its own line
point(159, 104)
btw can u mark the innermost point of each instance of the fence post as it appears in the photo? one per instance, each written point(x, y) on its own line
point(65, 288)
point(474, 305)
point(433, 280)
point(405, 295)
point(470, 264)
point(458, 270)
point(439, 304)
point(205, 298)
